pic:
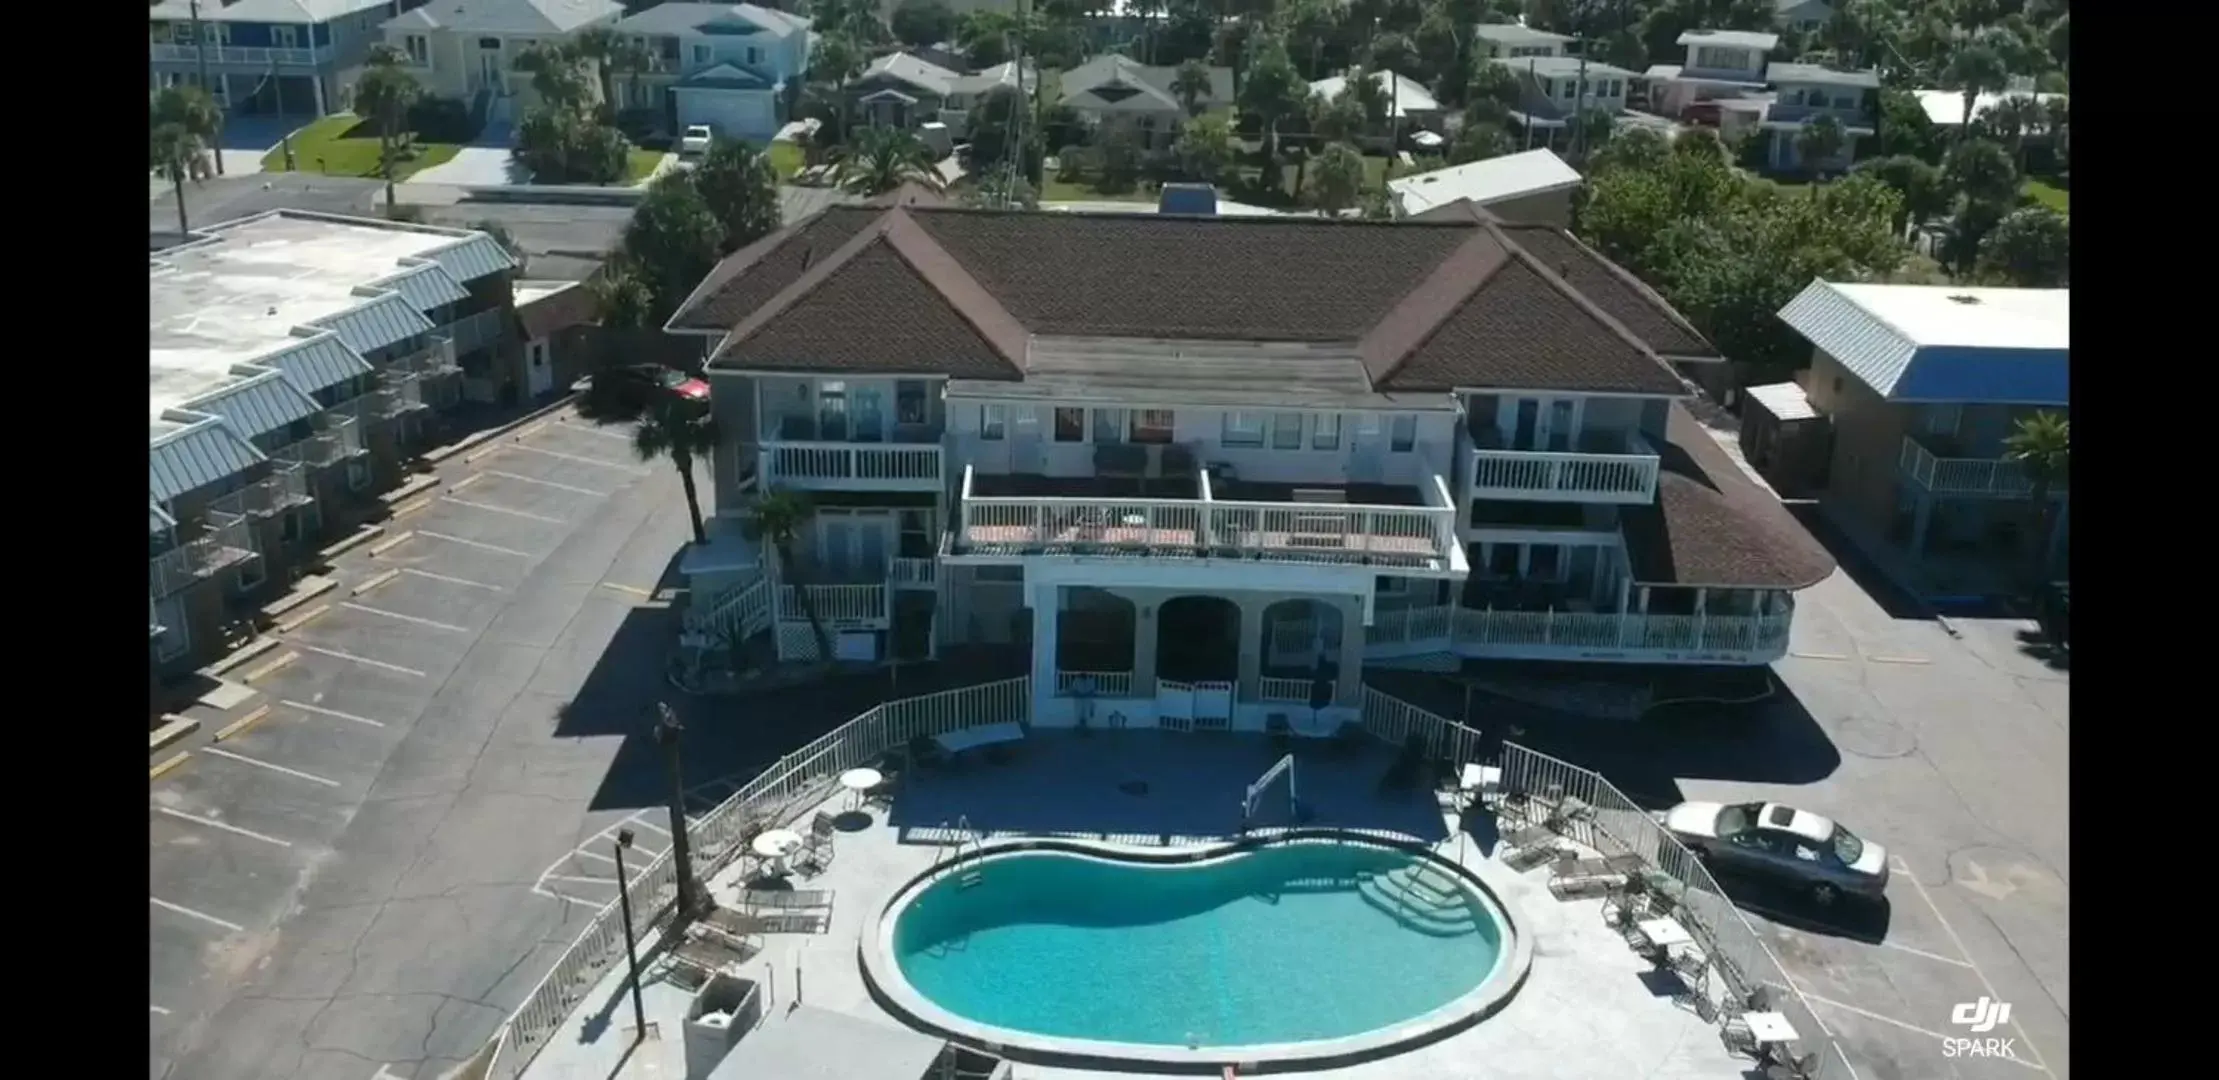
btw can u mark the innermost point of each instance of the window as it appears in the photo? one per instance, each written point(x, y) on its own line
point(358, 474)
point(419, 51)
point(1402, 435)
point(251, 576)
point(1326, 433)
point(869, 413)
point(1109, 425)
point(1570, 88)
point(993, 422)
point(215, 33)
point(832, 411)
point(702, 54)
point(1943, 419)
point(281, 37)
point(1286, 431)
point(1543, 562)
point(289, 527)
point(181, 33)
point(490, 44)
point(1243, 429)
point(1070, 424)
point(754, 56)
point(909, 402)
point(1151, 426)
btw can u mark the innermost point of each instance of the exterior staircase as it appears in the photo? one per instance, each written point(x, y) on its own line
point(728, 617)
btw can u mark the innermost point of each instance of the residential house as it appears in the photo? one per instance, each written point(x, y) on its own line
point(1510, 41)
point(734, 67)
point(1554, 90)
point(266, 57)
point(293, 359)
point(1196, 462)
point(1720, 64)
point(467, 49)
point(1803, 93)
point(1919, 386)
point(1406, 98)
point(1115, 90)
point(1530, 187)
point(1806, 16)
point(904, 89)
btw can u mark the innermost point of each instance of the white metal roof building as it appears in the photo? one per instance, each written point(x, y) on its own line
point(1940, 343)
point(1512, 176)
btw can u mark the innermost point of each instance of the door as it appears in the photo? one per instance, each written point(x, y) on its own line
point(867, 413)
point(1367, 451)
point(1559, 425)
point(1526, 436)
point(538, 371)
point(489, 63)
point(1024, 440)
point(177, 636)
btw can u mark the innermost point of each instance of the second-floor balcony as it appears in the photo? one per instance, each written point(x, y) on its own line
point(244, 55)
point(1599, 467)
point(340, 439)
point(1944, 469)
point(227, 541)
point(399, 391)
point(845, 466)
point(472, 332)
point(1411, 530)
point(286, 487)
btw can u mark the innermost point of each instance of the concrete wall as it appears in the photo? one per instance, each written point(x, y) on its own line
point(732, 402)
point(1868, 440)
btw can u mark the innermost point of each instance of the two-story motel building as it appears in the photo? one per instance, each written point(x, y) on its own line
point(1200, 464)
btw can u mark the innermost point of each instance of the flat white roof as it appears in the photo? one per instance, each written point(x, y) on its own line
point(1946, 108)
point(1482, 182)
point(1940, 342)
point(1927, 315)
point(1405, 95)
point(238, 295)
point(1785, 401)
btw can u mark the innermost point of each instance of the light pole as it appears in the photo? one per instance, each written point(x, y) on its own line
point(667, 732)
point(631, 943)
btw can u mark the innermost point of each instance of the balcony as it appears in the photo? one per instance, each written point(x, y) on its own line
point(437, 358)
point(836, 605)
point(1570, 634)
point(247, 56)
point(914, 573)
point(340, 439)
point(1609, 467)
point(1972, 477)
point(286, 487)
point(1410, 529)
point(839, 466)
point(473, 332)
point(228, 541)
point(398, 392)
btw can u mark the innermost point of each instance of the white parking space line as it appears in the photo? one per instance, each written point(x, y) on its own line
point(428, 575)
point(650, 825)
point(596, 429)
point(582, 459)
point(479, 544)
point(1929, 955)
point(201, 915)
point(611, 859)
point(553, 895)
point(224, 825)
point(337, 655)
point(523, 479)
point(1959, 944)
point(157, 1010)
point(1912, 1028)
point(333, 713)
point(492, 509)
point(581, 877)
point(272, 766)
point(433, 623)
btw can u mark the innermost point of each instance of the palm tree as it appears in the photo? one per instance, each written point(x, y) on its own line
point(174, 152)
point(778, 518)
point(599, 45)
point(385, 93)
point(880, 159)
point(1819, 142)
point(2043, 449)
point(1974, 69)
point(1191, 85)
point(681, 431)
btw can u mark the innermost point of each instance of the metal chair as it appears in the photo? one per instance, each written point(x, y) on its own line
point(816, 854)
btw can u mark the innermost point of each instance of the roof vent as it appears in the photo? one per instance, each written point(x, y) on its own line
point(1963, 298)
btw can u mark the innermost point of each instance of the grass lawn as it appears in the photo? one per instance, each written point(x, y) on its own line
point(1054, 190)
point(641, 164)
point(344, 145)
point(2050, 195)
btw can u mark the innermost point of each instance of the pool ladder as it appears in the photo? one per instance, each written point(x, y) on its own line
point(971, 875)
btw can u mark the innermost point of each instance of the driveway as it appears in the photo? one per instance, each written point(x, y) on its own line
point(483, 163)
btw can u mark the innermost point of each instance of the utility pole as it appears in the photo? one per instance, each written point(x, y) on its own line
point(1534, 83)
point(1579, 106)
point(200, 54)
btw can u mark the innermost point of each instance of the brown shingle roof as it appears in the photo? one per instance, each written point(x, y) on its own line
point(1614, 289)
point(749, 277)
point(1713, 525)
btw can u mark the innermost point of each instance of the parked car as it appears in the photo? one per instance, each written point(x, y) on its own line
point(671, 379)
point(695, 140)
point(1778, 841)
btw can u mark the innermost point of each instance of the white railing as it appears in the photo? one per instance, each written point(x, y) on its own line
point(228, 541)
point(835, 603)
point(1449, 628)
point(913, 573)
point(398, 392)
point(732, 615)
point(434, 359)
point(473, 332)
point(1206, 527)
point(340, 440)
point(1293, 690)
point(285, 488)
point(1106, 684)
point(844, 466)
point(796, 782)
point(248, 55)
point(1965, 476)
point(1563, 476)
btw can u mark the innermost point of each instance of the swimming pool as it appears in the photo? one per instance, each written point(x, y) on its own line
point(1316, 945)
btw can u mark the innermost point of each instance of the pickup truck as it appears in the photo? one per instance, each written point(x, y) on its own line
point(695, 141)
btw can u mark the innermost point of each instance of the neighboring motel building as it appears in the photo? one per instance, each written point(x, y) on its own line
point(1200, 464)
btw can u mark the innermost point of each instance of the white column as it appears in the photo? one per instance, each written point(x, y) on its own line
point(1251, 651)
point(1144, 649)
point(1351, 688)
point(1045, 601)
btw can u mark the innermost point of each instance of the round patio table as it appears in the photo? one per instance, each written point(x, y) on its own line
point(858, 782)
point(775, 846)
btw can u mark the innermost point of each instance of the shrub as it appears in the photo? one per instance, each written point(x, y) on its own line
point(442, 120)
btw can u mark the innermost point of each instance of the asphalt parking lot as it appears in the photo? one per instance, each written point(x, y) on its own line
point(343, 884)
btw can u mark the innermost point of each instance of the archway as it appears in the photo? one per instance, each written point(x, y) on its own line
point(1198, 639)
point(1096, 632)
point(1294, 632)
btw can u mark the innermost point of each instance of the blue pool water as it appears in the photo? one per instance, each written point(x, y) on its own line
point(1289, 943)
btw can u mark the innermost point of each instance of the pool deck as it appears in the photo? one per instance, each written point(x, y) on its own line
point(1585, 1010)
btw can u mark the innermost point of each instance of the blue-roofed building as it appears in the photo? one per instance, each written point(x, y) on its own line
point(1918, 388)
point(268, 57)
point(291, 360)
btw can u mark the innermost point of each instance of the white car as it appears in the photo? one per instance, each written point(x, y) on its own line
point(696, 139)
point(1779, 841)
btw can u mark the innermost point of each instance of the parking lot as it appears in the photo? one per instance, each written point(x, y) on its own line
point(344, 882)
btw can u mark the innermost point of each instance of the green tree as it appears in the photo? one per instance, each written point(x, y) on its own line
point(622, 296)
point(834, 61)
point(741, 188)
point(1339, 118)
point(1001, 191)
point(1191, 85)
point(1981, 171)
point(923, 22)
point(1905, 129)
point(672, 239)
point(1205, 148)
point(175, 153)
point(1974, 69)
point(880, 159)
point(597, 47)
point(1633, 148)
point(187, 106)
point(1339, 181)
point(1919, 187)
point(2012, 121)
point(1478, 142)
point(778, 518)
point(1117, 161)
point(1490, 93)
point(1273, 91)
point(384, 94)
point(1819, 143)
point(2042, 447)
point(1394, 55)
point(559, 74)
point(984, 35)
point(565, 146)
point(682, 431)
point(2030, 248)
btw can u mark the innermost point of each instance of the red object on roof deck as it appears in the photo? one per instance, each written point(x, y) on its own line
point(692, 390)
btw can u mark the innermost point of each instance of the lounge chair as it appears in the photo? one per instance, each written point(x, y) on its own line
point(1530, 846)
point(706, 952)
point(786, 899)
